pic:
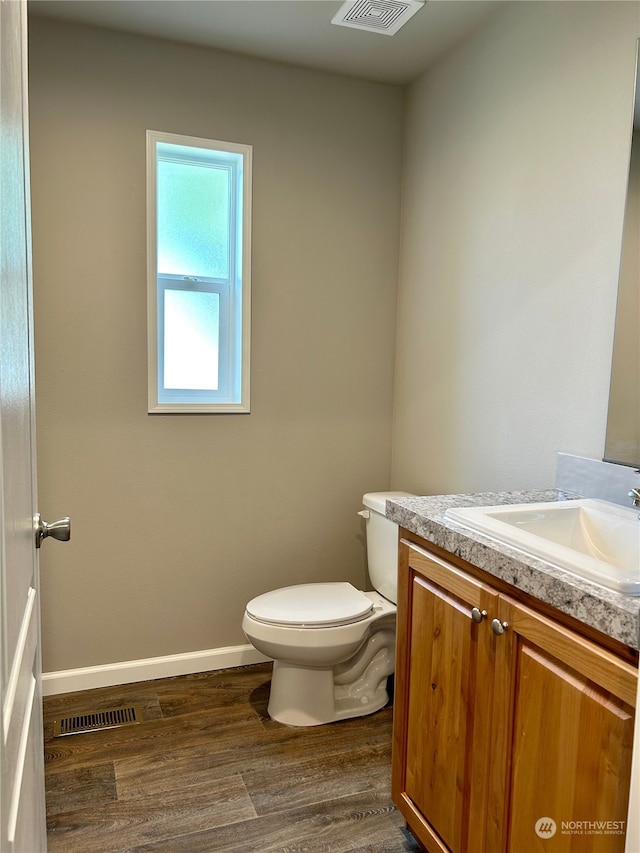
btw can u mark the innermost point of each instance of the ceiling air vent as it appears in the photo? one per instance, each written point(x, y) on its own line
point(377, 16)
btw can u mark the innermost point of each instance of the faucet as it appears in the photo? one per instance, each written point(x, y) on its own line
point(634, 494)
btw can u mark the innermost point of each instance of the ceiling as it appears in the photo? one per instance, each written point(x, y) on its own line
point(292, 31)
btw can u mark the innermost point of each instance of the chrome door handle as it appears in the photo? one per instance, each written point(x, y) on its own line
point(60, 530)
point(499, 627)
point(478, 615)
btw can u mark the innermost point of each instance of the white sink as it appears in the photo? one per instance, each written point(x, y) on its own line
point(596, 540)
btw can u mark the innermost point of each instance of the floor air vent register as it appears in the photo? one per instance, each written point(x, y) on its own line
point(113, 718)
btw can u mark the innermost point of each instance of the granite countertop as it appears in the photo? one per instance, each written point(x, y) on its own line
point(612, 613)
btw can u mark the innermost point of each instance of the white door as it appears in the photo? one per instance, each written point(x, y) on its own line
point(22, 808)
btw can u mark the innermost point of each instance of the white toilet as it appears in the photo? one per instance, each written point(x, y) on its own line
point(333, 646)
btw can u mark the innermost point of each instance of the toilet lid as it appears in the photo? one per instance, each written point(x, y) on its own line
point(311, 605)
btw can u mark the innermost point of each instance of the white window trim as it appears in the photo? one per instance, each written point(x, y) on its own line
point(242, 264)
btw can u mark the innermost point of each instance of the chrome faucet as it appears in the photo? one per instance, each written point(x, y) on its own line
point(634, 494)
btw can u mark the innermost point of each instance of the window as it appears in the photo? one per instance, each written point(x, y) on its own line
point(198, 238)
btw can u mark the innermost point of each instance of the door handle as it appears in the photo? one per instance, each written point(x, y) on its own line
point(60, 529)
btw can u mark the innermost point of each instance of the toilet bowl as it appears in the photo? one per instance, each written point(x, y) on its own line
point(333, 646)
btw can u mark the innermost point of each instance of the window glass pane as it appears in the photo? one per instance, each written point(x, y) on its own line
point(193, 219)
point(191, 339)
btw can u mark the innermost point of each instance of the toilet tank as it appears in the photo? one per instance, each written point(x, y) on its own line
point(382, 543)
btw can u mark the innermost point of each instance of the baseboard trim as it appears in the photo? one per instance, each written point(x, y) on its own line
point(126, 672)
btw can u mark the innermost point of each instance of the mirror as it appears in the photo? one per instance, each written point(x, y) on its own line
point(622, 444)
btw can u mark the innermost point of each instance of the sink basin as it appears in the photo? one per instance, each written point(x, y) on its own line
point(595, 540)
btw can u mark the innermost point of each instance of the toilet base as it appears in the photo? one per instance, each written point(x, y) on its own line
point(306, 696)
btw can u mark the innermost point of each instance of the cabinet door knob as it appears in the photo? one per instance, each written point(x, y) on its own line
point(499, 627)
point(478, 615)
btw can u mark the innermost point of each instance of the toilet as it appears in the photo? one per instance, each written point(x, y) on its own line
point(333, 646)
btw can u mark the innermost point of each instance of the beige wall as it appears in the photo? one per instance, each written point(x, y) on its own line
point(517, 147)
point(179, 520)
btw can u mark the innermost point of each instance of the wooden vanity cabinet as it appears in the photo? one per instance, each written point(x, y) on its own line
point(503, 716)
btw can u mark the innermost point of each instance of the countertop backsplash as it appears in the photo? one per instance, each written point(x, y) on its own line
point(591, 478)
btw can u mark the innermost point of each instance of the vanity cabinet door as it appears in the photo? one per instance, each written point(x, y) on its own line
point(562, 739)
point(442, 718)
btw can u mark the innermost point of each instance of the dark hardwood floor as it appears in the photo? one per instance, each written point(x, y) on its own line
point(207, 770)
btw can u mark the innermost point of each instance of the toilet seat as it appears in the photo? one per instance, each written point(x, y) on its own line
point(311, 605)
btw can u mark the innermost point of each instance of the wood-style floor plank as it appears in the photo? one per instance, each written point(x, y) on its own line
point(77, 789)
point(101, 699)
point(118, 824)
point(262, 751)
point(319, 779)
point(213, 729)
point(336, 826)
point(207, 770)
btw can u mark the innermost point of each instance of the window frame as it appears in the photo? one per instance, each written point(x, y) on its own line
point(235, 292)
